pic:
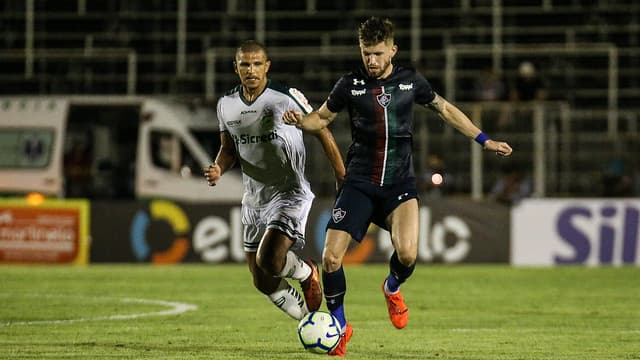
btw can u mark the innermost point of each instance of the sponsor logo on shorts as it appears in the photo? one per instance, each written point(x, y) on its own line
point(338, 214)
point(402, 196)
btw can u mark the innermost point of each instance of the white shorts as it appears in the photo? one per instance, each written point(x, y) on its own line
point(285, 213)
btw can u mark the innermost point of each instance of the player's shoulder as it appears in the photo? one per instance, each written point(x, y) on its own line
point(290, 92)
point(354, 74)
point(408, 74)
point(352, 78)
point(405, 71)
point(233, 91)
point(278, 87)
point(281, 89)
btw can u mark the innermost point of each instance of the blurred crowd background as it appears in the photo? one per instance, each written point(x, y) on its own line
point(558, 79)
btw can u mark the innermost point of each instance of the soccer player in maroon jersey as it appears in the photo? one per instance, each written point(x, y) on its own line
point(380, 182)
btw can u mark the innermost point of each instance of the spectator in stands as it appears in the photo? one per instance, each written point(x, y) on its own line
point(380, 183)
point(528, 85)
point(617, 181)
point(489, 86)
point(512, 186)
point(277, 196)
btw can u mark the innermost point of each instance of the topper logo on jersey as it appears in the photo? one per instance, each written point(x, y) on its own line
point(358, 92)
point(358, 82)
point(404, 87)
point(247, 114)
point(384, 99)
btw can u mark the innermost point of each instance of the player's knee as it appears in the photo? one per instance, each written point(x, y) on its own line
point(407, 258)
point(330, 261)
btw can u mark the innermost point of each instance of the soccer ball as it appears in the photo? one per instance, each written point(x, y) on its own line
point(319, 332)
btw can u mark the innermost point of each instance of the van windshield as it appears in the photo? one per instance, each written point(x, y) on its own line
point(25, 148)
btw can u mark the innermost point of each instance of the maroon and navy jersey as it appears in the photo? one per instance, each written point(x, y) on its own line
point(381, 113)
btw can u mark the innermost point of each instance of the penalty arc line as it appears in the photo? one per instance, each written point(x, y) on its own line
point(175, 308)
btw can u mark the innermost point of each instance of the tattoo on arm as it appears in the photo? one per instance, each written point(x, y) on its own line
point(437, 104)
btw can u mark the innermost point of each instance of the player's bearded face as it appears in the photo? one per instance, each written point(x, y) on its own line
point(377, 58)
point(252, 68)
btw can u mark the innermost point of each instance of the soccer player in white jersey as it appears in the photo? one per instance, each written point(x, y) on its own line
point(277, 196)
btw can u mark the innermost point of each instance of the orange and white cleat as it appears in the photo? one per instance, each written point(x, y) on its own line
point(311, 287)
point(341, 349)
point(398, 311)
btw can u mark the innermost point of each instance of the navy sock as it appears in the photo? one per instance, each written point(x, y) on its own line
point(392, 283)
point(339, 314)
point(335, 286)
point(399, 273)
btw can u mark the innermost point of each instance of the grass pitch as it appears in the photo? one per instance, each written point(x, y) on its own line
point(456, 312)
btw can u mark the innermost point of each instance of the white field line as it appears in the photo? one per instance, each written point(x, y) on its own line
point(174, 308)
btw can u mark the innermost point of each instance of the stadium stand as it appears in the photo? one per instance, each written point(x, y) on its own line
point(587, 52)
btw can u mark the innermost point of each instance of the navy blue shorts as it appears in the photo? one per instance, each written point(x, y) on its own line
point(359, 204)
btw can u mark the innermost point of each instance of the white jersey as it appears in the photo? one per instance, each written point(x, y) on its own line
point(271, 153)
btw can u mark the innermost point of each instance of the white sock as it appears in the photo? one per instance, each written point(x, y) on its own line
point(295, 268)
point(288, 299)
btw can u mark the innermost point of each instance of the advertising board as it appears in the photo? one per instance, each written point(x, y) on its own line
point(592, 232)
point(52, 232)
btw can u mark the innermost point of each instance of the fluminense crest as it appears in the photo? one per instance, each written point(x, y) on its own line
point(338, 214)
point(384, 99)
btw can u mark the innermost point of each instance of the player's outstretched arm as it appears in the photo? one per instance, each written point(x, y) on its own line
point(313, 121)
point(332, 151)
point(456, 118)
point(225, 159)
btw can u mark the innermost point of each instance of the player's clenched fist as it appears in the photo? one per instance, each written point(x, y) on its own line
point(292, 117)
point(212, 174)
point(500, 147)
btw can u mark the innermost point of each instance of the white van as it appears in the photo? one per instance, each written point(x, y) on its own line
point(110, 147)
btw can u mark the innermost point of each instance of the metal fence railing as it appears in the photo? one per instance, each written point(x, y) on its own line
point(562, 151)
